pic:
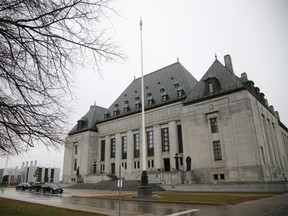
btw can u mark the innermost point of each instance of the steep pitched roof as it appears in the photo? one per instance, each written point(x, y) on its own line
point(227, 80)
point(166, 81)
point(88, 121)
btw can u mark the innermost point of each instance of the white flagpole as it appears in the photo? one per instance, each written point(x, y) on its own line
point(144, 149)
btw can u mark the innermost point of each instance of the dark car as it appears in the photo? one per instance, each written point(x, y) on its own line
point(52, 188)
point(36, 186)
point(23, 186)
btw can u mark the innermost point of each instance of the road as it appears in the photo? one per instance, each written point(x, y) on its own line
point(109, 207)
point(85, 200)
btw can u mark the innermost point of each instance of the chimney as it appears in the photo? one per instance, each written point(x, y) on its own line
point(228, 63)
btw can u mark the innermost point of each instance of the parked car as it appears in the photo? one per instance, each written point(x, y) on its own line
point(23, 186)
point(52, 188)
point(36, 186)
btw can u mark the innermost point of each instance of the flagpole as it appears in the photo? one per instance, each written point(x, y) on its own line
point(144, 189)
point(144, 153)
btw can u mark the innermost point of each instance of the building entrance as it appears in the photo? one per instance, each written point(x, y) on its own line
point(166, 164)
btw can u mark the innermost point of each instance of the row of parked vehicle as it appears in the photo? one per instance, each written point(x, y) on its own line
point(40, 187)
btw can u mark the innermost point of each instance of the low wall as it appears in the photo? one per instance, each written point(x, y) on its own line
point(230, 187)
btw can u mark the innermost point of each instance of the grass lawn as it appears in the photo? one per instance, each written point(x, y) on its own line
point(15, 208)
point(211, 198)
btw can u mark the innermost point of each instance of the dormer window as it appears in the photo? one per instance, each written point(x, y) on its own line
point(126, 101)
point(212, 85)
point(180, 92)
point(151, 101)
point(165, 97)
point(106, 115)
point(126, 108)
point(176, 85)
point(149, 94)
point(162, 89)
point(82, 123)
point(116, 111)
point(138, 105)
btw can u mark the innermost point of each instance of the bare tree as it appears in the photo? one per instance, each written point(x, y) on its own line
point(40, 43)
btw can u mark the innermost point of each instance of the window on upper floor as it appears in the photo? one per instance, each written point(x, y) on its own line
point(112, 147)
point(165, 139)
point(102, 158)
point(214, 125)
point(136, 145)
point(165, 97)
point(212, 85)
point(150, 143)
point(151, 101)
point(217, 150)
point(124, 147)
point(106, 115)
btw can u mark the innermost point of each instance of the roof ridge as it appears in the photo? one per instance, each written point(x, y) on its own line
point(160, 70)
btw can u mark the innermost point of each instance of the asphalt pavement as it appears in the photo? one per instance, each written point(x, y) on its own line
point(81, 199)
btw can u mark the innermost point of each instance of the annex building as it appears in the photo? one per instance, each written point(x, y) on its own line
point(218, 129)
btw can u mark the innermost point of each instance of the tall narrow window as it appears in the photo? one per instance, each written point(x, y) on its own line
point(210, 86)
point(102, 150)
point(214, 125)
point(124, 147)
point(136, 145)
point(150, 143)
point(165, 139)
point(75, 164)
point(75, 148)
point(180, 142)
point(113, 148)
point(217, 150)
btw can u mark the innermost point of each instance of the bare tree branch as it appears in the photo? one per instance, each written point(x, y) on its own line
point(40, 41)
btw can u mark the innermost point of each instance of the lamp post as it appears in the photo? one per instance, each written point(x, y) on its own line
point(176, 161)
point(94, 167)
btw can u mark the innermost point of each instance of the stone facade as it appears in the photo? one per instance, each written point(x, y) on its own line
point(223, 123)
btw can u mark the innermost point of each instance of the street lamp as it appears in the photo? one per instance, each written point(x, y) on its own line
point(94, 167)
point(176, 161)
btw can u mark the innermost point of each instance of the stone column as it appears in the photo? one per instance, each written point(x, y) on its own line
point(107, 154)
point(157, 147)
point(130, 152)
point(118, 153)
point(173, 143)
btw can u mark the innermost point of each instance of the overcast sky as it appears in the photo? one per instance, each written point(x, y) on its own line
point(254, 33)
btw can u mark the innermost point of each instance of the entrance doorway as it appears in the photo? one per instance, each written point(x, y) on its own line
point(166, 164)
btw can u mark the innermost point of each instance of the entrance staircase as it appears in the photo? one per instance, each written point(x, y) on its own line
point(127, 185)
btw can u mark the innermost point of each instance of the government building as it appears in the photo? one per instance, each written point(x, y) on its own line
point(218, 129)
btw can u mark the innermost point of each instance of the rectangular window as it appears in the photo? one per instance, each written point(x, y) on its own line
point(113, 148)
point(102, 150)
point(217, 150)
point(150, 143)
point(210, 85)
point(215, 177)
point(75, 148)
point(180, 141)
point(75, 164)
point(136, 145)
point(214, 125)
point(165, 139)
point(222, 176)
point(124, 147)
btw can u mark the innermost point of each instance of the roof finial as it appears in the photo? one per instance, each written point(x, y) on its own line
point(215, 56)
point(95, 103)
point(177, 59)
